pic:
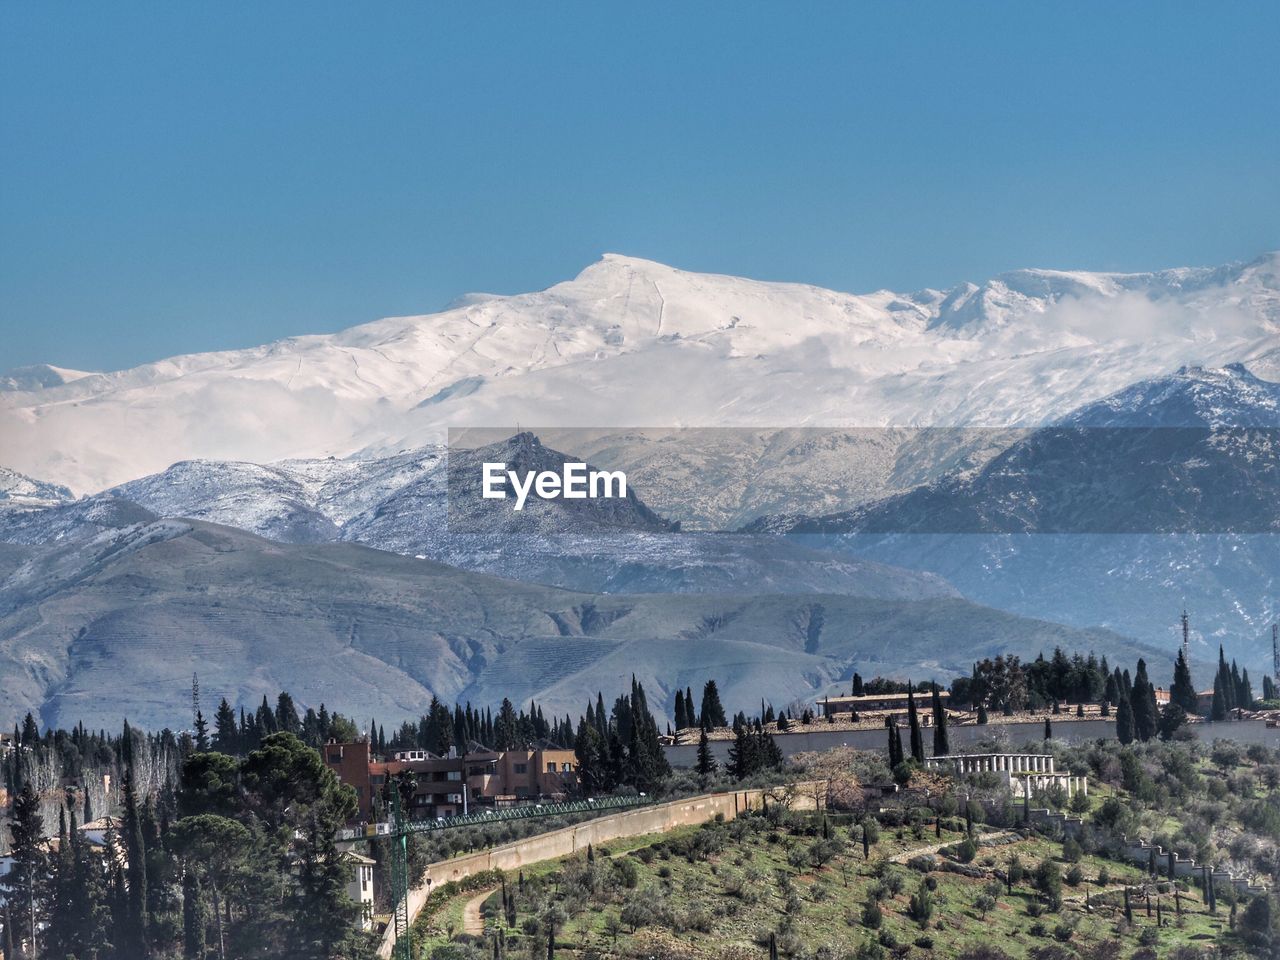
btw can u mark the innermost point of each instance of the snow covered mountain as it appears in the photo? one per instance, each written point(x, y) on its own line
point(400, 504)
point(21, 492)
point(635, 343)
point(1162, 496)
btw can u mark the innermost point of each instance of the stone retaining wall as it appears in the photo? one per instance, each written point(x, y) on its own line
point(1139, 851)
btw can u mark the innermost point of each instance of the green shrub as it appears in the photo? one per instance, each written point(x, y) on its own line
point(872, 915)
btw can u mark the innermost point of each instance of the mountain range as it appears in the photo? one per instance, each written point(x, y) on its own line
point(1095, 450)
point(1164, 495)
point(117, 623)
point(632, 343)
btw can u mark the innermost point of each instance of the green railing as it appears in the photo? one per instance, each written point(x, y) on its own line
point(524, 812)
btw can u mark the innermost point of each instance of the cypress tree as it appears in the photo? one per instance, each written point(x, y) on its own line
point(682, 719)
point(941, 742)
point(134, 941)
point(1183, 691)
point(1143, 695)
point(10, 944)
point(895, 743)
point(1218, 709)
point(1124, 719)
point(913, 721)
point(193, 940)
point(1228, 688)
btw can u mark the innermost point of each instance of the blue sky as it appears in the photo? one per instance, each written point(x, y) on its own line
point(181, 177)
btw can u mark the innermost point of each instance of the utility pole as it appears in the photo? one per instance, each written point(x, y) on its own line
point(1275, 650)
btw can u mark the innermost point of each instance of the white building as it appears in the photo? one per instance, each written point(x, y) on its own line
point(360, 885)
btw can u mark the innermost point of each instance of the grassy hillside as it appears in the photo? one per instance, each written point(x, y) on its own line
point(720, 891)
point(724, 891)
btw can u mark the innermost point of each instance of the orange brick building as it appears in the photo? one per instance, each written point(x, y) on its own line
point(446, 786)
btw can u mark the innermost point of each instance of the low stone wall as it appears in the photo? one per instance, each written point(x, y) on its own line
point(659, 818)
point(1139, 852)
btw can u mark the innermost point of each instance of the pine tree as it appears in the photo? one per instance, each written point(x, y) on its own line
point(712, 712)
point(706, 761)
point(1048, 729)
point(201, 733)
point(744, 757)
point(226, 733)
point(24, 886)
point(941, 742)
point(286, 715)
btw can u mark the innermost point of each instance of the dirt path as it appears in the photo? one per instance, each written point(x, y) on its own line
point(934, 848)
point(472, 917)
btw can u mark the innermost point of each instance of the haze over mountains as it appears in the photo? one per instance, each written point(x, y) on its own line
point(810, 405)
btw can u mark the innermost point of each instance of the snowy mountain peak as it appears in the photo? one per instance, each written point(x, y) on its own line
point(37, 376)
point(1193, 396)
point(630, 342)
point(17, 490)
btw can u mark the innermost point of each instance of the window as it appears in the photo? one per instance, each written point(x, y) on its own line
point(522, 768)
point(551, 766)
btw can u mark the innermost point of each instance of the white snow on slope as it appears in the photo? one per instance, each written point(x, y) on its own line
point(634, 343)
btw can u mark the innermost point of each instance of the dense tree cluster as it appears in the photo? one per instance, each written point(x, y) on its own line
point(1006, 683)
point(1231, 689)
point(753, 750)
point(236, 858)
point(620, 748)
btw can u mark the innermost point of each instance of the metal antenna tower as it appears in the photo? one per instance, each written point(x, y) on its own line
point(1275, 649)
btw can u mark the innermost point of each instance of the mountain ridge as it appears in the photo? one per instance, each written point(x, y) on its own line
point(595, 351)
point(116, 624)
